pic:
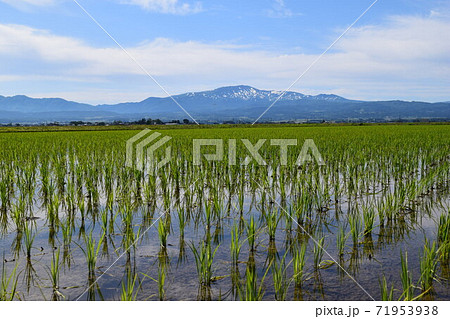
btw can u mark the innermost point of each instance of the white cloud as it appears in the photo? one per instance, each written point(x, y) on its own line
point(279, 10)
point(32, 2)
point(166, 6)
point(24, 4)
point(406, 58)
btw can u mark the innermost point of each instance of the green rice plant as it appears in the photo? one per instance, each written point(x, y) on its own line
point(298, 263)
point(29, 236)
point(318, 250)
point(281, 282)
point(204, 256)
point(272, 224)
point(91, 252)
point(444, 229)
point(428, 265)
point(443, 237)
point(54, 276)
point(18, 215)
point(406, 278)
point(4, 195)
point(241, 196)
point(251, 233)
point(163, 232)
point(52, 210)
point(181, 221)
point(104, 220)
point(354, 221)
point(81, 205)
point(129, 290)
point(341, 239)
point(8, 289)
point(161, 283)
point(252, 291)
point(67, 231)
point(369, 219)
point(235, 244)
point(386, 293)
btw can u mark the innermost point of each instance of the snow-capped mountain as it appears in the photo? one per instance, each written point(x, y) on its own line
point(240, 102)
point(248, 93)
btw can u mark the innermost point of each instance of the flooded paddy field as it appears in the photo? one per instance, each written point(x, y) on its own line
point(78, 223)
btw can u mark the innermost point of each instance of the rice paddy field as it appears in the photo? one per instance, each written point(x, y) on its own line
point(372, 223)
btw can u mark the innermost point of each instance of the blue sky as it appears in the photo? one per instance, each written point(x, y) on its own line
point(50, 48)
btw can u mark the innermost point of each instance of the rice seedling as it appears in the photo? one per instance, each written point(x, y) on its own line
point(91, 252)
point(181, 220)
point(341, 239)
point(443, 238)
point(354, 221)
point(235, 244)
point(29, 236)
point(163, 232)
point(318, 251)
point(161, 282)
point(8, 289)
point(387, 294)
point(298, 263)
point(280, 279)
point(272, 224)
point(129, 290)
point(406, 278)
point(204, 256)
point(67, 231)
point(252, 290)
point(369, 218)
point(428, 265)
point(54, 276)
point(251, 233)
point(104, 220)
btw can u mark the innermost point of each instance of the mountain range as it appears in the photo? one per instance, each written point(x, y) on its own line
point(233, 103)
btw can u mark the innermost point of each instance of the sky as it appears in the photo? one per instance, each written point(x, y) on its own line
point(400, 49)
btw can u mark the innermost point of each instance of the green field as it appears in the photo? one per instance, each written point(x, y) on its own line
point(373, 222)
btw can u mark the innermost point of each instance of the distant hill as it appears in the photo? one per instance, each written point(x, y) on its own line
point(241, 102)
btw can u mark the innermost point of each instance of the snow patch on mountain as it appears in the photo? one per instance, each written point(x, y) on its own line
point(248, 93)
